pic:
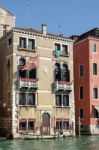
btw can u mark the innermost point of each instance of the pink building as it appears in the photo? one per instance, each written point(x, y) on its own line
point(86, 81)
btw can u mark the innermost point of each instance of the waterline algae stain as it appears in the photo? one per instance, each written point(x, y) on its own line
point(69, 143)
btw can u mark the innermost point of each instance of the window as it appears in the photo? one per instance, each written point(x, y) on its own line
point(57, 72)
point(22, 61)
point(96, 111)
point(22, 124)
point(65, 100)
point(30, 74)
point(81, 92)
point(10, 40)
point(65, 50)
point(22, 99)
point(81, 113)
point(57, 46)
point(62, 100)
point(94, 69)
point(95, 93)
point(31, 124)
point(81, 70)
point(4, 29)
point(22, 42)
point(31, 44)
point(94, 47)
point(31, 99)
point(65, 76)
point(62, 124)
point(58, 100)
point(62, 72)
point(27, 99)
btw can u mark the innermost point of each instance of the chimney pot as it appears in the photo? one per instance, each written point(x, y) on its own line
point(44, 29)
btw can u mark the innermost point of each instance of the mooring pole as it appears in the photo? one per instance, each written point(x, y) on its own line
point(79, 126)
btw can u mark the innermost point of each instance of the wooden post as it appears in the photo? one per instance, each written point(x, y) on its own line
point(79, 126)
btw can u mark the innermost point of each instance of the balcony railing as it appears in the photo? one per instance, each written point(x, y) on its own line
point(28, 83)
point(64, 53)
point(27, 48)
point(62, 86)
point(58, 53)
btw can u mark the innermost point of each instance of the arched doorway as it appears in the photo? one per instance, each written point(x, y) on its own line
point(45, 123)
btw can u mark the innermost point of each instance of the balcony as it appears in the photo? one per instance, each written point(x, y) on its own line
point(62, 86)
point(59, 53)
point(65, 53)
point(28, 83)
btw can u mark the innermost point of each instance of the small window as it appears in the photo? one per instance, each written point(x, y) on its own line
point(22, 42)
point(58, 100)
point(23, 124)
point(57, 46)
point(81, 70)
point(22, 99)
point(10, 40)
point(4, 29)
point(81, 113)
point(81, 92)
point(31, 99)
point(31, 44)
point(31, 125)
point(96, 112)
point(65, 50)
point(95, 93)
point(65, 100)
point(94, 47)
point(94, 69)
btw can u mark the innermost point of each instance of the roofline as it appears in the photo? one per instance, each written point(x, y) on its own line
point(7, 11)
point(40, 33)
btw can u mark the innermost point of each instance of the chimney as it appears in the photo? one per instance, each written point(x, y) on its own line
point(44, 29)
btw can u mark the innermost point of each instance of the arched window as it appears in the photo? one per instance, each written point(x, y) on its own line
point(65, 73)
point(57, 72)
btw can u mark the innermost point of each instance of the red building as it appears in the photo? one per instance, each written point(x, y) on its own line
point(86, 81)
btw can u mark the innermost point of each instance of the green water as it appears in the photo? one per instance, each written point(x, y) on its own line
point(82, 143)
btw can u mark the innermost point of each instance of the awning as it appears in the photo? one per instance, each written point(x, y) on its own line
point(31, 120)
point(62, 119)
point(96, 107)
point(22, 120)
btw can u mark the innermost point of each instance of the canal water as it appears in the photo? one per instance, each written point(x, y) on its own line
point(69, 143)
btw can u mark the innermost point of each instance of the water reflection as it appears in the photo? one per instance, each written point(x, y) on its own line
point(69, 143)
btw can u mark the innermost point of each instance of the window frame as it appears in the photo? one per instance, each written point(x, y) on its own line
point(81, 70)
point(81, 114)
point(81, 95)
point(95, 93)
point(95, 69)
point(94, 47)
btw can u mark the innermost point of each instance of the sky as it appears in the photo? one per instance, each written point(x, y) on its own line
point(67, 17)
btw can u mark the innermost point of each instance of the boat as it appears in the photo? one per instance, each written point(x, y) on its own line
point(28, 136)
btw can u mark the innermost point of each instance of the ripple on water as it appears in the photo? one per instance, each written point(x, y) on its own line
point(82, 143)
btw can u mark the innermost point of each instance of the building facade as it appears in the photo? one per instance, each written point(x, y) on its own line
point(37, 93)
point(7, 21)
point(86, 81)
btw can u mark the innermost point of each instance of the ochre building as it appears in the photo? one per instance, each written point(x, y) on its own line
point(36, 82)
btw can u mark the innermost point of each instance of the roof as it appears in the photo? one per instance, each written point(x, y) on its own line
point(6, 11)
point(93, 32)
point(40, 32)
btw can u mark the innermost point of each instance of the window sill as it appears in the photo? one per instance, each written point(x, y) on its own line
point(62, 106)
point(27, 49)
point(27, 105)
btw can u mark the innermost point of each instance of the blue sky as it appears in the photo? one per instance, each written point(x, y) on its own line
point(68, 17)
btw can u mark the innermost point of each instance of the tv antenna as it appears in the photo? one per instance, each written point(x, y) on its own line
point(27, 8)
point(59, 29)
